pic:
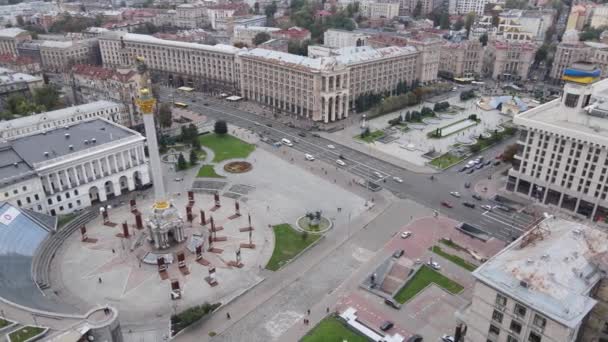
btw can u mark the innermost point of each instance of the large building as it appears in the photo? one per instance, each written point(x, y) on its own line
point(246, 34)
point(462, 59)
point(10, 37)
point(599, 16)
point(562, 158)
point(59, 56)
point(69, 168)
point(12, 82)
point(205, 67)
point(520, 25)
point(323, 89)
point(336, 38)
point(541, 287)
point(571, 50)
point(508, 60)
point(467, 6)
point(36, 123)
point(378, 10)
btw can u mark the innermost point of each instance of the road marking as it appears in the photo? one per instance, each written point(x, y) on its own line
point(503, 222)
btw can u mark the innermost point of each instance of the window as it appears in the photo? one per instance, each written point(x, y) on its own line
point(501, 300)
point(519, 310)
point(534, 337)
point(19, 202)
point(24, 188)
point(6, 194)
point(511, 339)
point(494, 330)
point(571, 100)
point(36, 197)
point(60, 208)
point(50, 201)
point(539, 321)
point(515, 327)
point(497, 316)
point(58, 198)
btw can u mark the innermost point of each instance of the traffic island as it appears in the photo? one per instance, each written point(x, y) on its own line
point(333, 329)
point(423, 278)
point(27, 333)
point(288, 244)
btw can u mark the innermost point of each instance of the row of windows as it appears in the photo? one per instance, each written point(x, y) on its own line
point(15, 191)
point(59, 199)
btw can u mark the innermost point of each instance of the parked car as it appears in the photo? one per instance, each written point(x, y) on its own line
point(469, 205)
point(405, 235)
point(463, 169)
point(415, 338)
point(486, 207)
point(392, 303)
point(398, 253)
point(477, 197)
point(471, 170)
point(386, 326)
point(455, 194)
point(496, 163)
point(446, 204)
point(178, 179)
point(487, 163)
point(269, 124)
point(309, 157)
point(447, 338)
point(434, 265)
point(205, 104)
point(479, 166)
point(316, 135)
point(377, 174)
point(503, 208)
point(467, 185)
point(302, 134)
point(331, 147)
point(398, 180)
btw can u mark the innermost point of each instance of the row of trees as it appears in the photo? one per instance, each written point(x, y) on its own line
point(303, 15)
point(43, 99)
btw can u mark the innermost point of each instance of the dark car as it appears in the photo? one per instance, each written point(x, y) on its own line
point(269, 124)
point(469, 204)
point(479, 166)
point(467, 185)
point(496, 163)
point(415, 338)
point(386, 326)
point(477, 197)
point(316, 135)
point(398, 253)
point(392, 303)
point(487, 163)
point(205, 104)
point(302, 134)
point(471, 170)
point(463, 169)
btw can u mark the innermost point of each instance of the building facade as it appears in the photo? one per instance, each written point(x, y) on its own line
point(508, 60)
point(462, 59)
point(10, 38)
point(72, 167)
point(245, 35)
point(466, 6)
point(378, 10)
point(562, 158)
point(342, 38)
point(33, 124)
point(59, 56)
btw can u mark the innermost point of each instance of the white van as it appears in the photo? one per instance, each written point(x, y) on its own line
point(309, 157)
point(286, 142)
point(340, 162)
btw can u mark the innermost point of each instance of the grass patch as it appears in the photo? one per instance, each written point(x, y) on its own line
point(372, 136)
point(25, 333)
point(226, 146)
point(190, 315)
point(62, 220)
point(332, 329)
point(454, 258)
point(452, 244)
point(422, 279)
point(445, 160)
point(287, 244)
point(208, 171)
point(4, 323)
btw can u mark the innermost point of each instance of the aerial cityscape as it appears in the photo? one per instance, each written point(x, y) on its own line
point(304, 170)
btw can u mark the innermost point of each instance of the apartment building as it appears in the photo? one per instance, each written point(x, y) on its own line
point(10, 37)
point(466, 6)
point(520, 25)
point(189, 16)
point(205, 67)
point(378, 10)
point(245, 35)
point(508, 60)
point(58, 56)
point(429, 48)
point(562, 159)
point(540, 288)
point(599, 16)
point(336, 38)
point(462, 59)
point(580, 15)
point(570, 51)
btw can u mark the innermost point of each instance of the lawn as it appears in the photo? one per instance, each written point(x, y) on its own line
point(62, 220)
point(25, 333)
point(332, 329)
point(445, 160)
point(422, 279)
point(371, 136)
point(207, 171)
point(287, 244)
point(452, 244)
point(454, 258)
point(226, 146)
point(4, 323)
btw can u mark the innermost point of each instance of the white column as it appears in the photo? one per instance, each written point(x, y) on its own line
point(58, 177)
point(115, 162)
point(130, 156)
point(75, 170)
point(122, 160)
point(50, 184)
point(68, 184)
point(106, 160)
point(92, 169)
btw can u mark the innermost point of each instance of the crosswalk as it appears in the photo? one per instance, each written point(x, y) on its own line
point(514, 223)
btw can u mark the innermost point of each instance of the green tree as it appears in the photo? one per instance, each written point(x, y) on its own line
point(165, 117)
point(541, 54)
point(20, 21)
point(468, 22)
point(417, 10)
point(444, 21)
point(260, 38)
point(193, 157)
point(196, 144)
point(220, 127)
point(551, 33)
point(483, 39)
point(47, 97)
point(256, 8)
point(181, 162)
point(270, 10)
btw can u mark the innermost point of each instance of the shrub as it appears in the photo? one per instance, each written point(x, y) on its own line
point(220, 127)
point(191, 315)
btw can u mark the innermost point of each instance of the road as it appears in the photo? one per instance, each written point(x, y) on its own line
point(418, 187)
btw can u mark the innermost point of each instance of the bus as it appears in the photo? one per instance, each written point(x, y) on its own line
point(186, 89)
point(180, 105)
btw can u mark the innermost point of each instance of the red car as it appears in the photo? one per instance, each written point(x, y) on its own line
point(446, 204)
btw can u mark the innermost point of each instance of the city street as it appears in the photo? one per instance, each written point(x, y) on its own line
point(417, 186)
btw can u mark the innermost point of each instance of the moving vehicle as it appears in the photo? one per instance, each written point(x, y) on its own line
point(398, 253)
point(477, 197)
point(415, 338)
point(331, 147)
point(269, 124)
point(178, 179)
point(398, 180)
point(378, 174)
point(392, 303)
point(469, 205)
point(471, 170)
point(503, 208)
point(446, 204)
point(405, 235)
point(302, 134)
point(286, 142)
point(180, 105)
point(467, 185)
point(340, 162)
point(455, 194)
point(486, 207)
point(309, 157)
point(387, 326)
point(447, 338)
point(434, 265)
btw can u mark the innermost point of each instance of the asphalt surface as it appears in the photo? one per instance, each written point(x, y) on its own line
point(418, 187)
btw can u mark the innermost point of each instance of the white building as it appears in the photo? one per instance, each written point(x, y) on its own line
point(540, 288)
point(599, 16)
point(466, 6)
point(336, 38)
point(33, 124)
point(562, 158)
point(377, 10)
point(72, 167)
point(246, 34)
point(518, 25)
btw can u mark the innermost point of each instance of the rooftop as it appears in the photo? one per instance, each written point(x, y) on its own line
point(11, 32)
point(18, 77)
point(142, 38)
point(552, 269)
point(576, 123)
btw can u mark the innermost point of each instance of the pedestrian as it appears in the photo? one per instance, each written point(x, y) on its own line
point(228, 315)
point(327, 309)
point(308, 312)
point(113, 251)
point(99, 280)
